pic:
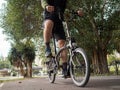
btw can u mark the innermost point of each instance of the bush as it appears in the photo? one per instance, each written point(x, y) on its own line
point(4, 64)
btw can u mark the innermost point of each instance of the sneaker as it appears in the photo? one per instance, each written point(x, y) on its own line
point(65, 72)
point(64, 75)
point(48, 52)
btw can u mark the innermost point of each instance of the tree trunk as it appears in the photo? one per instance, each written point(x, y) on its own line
point(29, 69)
point(25, 63)
point(99, 61)
point(102, 56)
point(20, 65)
point(95, 62)
point(22, 69)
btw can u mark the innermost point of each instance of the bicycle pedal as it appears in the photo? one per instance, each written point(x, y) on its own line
point(46, 63)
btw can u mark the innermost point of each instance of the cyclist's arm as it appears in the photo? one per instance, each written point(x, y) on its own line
point(68, 4)
point(44, 3)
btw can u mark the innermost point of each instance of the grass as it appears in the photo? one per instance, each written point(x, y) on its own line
point(14, 79)
point(7, 78)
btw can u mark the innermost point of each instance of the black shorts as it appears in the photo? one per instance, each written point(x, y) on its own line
point(58, 29)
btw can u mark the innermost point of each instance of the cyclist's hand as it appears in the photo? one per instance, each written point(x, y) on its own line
point(80, 12)
point(50, 8)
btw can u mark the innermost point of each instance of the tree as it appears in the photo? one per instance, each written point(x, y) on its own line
point(23, 57)
point(21, 21)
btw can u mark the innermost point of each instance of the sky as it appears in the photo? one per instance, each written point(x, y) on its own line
point(4, 44)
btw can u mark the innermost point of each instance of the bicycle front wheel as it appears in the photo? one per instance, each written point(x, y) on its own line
point(79, 67)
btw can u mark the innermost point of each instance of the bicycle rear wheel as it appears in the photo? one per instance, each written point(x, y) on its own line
point(51, 70)
point(79, 67)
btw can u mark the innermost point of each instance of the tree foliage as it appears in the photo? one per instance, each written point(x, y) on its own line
point(98, 30)
point(4, 64)
point(22, 19)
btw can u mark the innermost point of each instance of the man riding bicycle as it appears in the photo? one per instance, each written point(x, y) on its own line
point(53, 25)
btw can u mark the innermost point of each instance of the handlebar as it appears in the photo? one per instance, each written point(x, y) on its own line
point(73, 13)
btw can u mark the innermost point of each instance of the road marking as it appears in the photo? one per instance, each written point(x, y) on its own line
point(1, 85)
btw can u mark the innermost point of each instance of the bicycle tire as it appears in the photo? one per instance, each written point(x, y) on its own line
point(51, 70)
point(79, 67)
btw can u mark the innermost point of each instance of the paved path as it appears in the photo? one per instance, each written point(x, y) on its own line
point(95, 83)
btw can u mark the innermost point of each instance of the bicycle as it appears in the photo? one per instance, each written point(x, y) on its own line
point(77, 64)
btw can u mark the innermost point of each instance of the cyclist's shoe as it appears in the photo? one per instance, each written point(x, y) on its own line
point(48, 52)
point(65, 72)
point(50, 71)
point(68, 74)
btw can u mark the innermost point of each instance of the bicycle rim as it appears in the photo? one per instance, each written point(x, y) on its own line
point(80, 68)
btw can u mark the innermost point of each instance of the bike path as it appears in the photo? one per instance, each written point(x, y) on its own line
point(95, 83)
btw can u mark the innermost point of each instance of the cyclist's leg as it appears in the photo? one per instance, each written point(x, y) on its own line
point(48, 26)
point(61, 43)
point(61, 38)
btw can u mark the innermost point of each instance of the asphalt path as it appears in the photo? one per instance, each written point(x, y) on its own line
point(95, 83)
